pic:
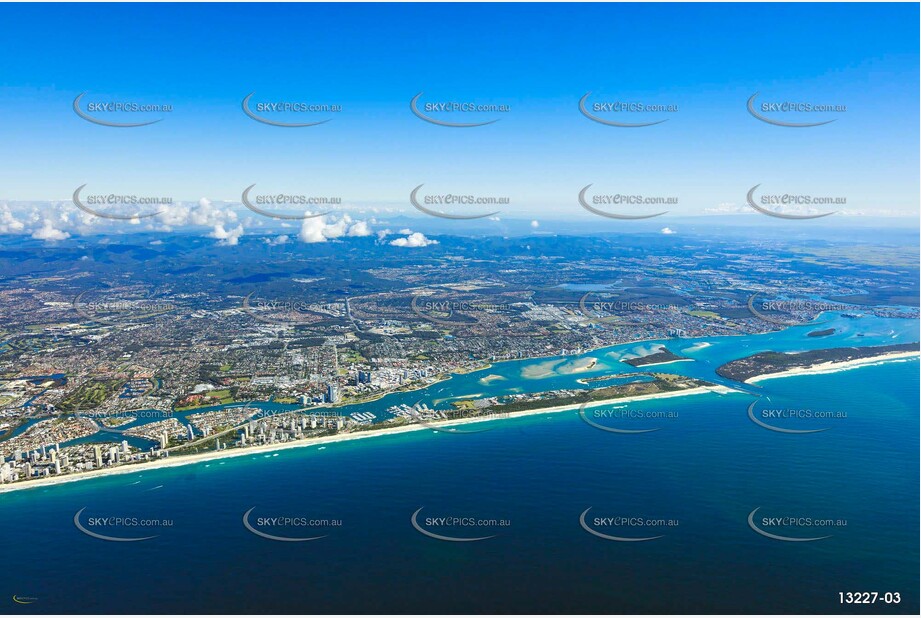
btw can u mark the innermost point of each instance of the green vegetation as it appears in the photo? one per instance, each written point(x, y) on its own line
point(662, 383)
point(90, 395)
point(664, 355)
point(703, 314)
point(115, 421)
point(351, 355)
point(766, 363)
point(211, 398)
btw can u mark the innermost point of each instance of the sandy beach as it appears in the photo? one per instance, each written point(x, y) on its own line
point(180, 460)
point(832, 367)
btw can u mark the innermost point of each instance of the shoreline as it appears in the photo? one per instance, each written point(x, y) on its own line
point(822, 368)
point(833, 367)
point(668, 362)
point(173, 462)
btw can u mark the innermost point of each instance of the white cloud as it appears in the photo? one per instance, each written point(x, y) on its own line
point(729, 208)
point(535, 224)
point(205, 214)
point(318, 229)
point(337, 229)
point(312, 230)
point(415, 239)
point(278, 240)
point(360, 228)
point(49, 232)
point(9, 224)
point(667, 230)
point(227, 237)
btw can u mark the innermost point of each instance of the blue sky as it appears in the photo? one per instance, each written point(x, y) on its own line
point(538, 59)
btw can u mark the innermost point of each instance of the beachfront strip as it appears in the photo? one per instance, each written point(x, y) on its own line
point(244, 428)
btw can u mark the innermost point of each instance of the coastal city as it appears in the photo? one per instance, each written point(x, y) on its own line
point(460, 309)
point(96, 378)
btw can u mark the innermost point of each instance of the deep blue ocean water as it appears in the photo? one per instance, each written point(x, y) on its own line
point(706, 468)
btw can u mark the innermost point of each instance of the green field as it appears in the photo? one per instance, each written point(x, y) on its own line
point(90, 395)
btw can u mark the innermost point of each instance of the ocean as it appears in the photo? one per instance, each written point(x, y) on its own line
point(525, 483)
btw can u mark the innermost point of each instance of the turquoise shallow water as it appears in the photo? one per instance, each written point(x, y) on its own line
point(705, 469)
point(556, 372)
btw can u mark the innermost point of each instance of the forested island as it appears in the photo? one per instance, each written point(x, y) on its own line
point(765, 363)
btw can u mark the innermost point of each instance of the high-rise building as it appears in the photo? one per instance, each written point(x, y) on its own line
point(97, 455)
point(332, 393)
